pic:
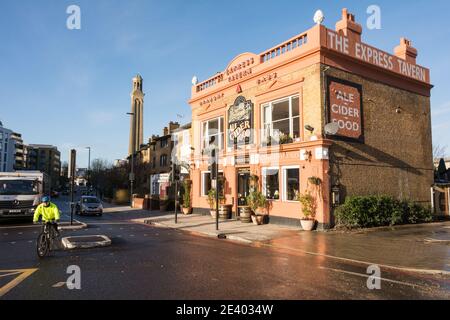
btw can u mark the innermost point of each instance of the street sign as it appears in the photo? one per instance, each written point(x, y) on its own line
point(131, 176)
point(72, 163)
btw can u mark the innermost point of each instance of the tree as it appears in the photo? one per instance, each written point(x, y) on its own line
point(439, 152)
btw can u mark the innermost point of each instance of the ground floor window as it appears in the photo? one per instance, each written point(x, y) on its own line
point(270, 183)
point(207, 182)
point(291, 183)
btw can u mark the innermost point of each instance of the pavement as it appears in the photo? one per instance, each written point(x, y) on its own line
point(149, 262)
point(423, 248)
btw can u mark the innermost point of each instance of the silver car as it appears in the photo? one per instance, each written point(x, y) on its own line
point(89, 205)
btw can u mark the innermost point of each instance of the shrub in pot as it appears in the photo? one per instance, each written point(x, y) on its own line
point(187, 206)
point(309, 207)
point(212, 201)
point(258, 204)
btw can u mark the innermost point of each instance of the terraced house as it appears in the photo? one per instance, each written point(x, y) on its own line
point(321, 110)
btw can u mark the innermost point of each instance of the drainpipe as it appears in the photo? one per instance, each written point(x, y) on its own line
point(325, 117)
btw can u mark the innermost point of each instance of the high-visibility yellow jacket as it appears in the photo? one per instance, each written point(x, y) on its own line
point(48, 213)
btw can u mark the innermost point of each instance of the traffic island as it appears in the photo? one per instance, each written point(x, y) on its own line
point(85, 242)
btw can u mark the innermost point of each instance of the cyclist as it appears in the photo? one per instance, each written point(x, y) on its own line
point(49, 212)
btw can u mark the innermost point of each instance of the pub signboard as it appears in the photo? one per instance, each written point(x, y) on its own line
point(240, 122)
point(345, 109)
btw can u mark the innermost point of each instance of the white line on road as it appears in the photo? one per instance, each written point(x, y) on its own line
point(59, 285)
point(367, 276)
point(9, 274)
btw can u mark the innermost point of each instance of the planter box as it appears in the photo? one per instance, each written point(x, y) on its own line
point(186, 210)
point(138, 203)
point(307, 225)
point(225, 211)
point(245, 214)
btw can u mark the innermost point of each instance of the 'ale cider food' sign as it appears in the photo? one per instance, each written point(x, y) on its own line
point(345, 108)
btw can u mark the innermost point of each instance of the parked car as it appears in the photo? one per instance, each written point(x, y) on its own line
point(89, 205)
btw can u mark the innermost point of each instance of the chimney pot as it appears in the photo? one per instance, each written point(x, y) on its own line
point(405, 51)
point(348, 26)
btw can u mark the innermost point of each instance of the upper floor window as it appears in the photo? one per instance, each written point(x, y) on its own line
point(281, 121)
point(163, 160)
point(164, 143)
point(213, 130)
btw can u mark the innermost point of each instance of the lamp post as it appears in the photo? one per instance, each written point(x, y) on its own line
point(89, 167)
point(132, 159)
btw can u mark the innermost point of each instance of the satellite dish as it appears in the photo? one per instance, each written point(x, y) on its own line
point(319, 17)
point(194, 80)
point(331, 128)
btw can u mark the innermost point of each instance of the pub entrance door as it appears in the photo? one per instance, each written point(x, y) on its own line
point(243, 187)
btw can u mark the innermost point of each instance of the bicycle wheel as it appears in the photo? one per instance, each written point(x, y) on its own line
point(42, 245)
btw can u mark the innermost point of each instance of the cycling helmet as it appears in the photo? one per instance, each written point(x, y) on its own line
point(45, 199)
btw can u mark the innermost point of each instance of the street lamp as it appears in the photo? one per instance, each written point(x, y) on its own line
point(132, 160)
point(89, 166)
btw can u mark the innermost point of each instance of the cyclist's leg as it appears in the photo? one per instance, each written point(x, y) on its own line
point(55, 232)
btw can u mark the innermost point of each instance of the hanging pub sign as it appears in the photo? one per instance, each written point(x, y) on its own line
point(345, 109)
point(240, 122)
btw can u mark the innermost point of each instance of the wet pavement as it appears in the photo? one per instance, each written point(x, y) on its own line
point(423, 248)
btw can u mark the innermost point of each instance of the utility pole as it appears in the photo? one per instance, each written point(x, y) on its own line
point(72, 170)
point(215, 174)
point(132, 161)
point(175, 178)
point(89, 166)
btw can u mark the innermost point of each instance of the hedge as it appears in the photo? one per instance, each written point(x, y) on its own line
point(376, 211)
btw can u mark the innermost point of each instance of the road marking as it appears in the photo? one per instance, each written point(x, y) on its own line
point(58, 285)
point(423, 271)
point(13, 242)
point(23, 274)
point(368, 275)
point(20, 227)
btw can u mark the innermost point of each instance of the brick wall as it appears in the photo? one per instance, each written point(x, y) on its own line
point(396, 158)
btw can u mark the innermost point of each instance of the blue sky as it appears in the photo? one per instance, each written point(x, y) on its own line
point(71, 88)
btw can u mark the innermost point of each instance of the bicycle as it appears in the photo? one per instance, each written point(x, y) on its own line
point(46, 238)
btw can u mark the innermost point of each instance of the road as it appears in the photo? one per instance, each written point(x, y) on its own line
point(145, 262)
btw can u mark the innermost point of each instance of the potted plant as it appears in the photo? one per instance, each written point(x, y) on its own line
point(309, 207)
point(253, 181)
point(187, 206)
point(258, 203)
point(163, 203)
point(212, 201)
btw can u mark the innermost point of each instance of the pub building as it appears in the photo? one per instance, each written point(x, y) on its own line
point(322, 104)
